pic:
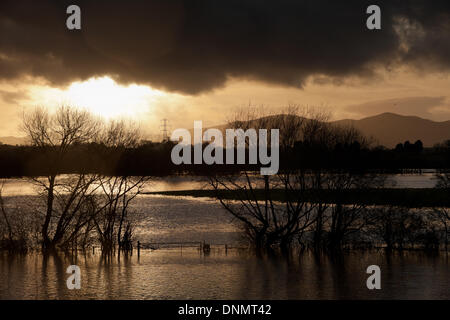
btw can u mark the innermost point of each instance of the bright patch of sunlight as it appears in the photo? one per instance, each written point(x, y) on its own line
point(103, 97)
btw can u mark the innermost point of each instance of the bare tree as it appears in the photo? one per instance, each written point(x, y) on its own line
point(74, 201)
point(345, 220)
point(269, 223)
point(442, 215)
point(306, 138)
point(334, 222)
point(15, 229)
point(112, 223)
point(5, 215)
point(66, 198)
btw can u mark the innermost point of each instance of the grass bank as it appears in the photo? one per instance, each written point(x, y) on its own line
point(408, 197)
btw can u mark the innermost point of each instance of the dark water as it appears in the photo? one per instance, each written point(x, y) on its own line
point(237, 274)
point(23, 187)
point(188, 274)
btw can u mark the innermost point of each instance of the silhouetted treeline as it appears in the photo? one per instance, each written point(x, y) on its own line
point(410, 147)
point(149, 159)
point(353, 157)
point(154, 159)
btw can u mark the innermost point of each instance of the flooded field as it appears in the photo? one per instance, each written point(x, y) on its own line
point(189, 274)
point(25, 187)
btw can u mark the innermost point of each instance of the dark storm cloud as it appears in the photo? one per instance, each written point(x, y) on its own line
point(193, 46)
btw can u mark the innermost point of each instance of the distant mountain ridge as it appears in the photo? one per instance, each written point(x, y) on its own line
point(388, 129)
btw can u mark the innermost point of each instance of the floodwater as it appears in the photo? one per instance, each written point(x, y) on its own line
point(184, 272)
point(18, 187)
point(236, 274)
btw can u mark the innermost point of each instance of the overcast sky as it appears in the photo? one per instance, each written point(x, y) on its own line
point(197, 60)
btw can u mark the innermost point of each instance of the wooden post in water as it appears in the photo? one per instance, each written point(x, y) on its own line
point(206, 247)
point(93, 249)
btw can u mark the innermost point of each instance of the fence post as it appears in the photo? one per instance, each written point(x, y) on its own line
point(139, 249)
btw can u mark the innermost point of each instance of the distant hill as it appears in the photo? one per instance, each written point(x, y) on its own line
point(388, 129)
point(13, 140)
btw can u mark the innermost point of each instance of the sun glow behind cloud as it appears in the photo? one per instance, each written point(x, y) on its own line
point(147, 106)
point(108, 99)
point(103, 97)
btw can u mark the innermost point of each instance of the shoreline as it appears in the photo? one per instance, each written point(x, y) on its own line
point(405, 197)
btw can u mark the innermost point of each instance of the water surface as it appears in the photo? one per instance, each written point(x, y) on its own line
point(236, 274)
point(186, 273)
point(18, 187)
